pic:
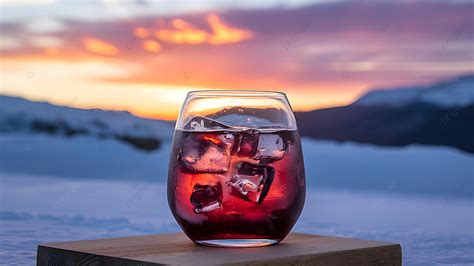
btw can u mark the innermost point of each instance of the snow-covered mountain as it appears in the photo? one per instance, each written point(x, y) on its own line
point(458, 92)
point(18, 115)
point(440, 114)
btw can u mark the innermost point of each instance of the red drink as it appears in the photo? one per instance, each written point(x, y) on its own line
point(235, 186)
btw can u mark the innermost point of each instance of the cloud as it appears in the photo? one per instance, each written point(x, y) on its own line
point(185, 33)
point(9, 43)
point(99, 47)
point(46, 41)
point(141, 32)
point(44, 25)
point(22, 2)
point(151, 46)
point(223, 34)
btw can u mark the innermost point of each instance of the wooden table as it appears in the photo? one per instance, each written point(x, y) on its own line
point(176, 248)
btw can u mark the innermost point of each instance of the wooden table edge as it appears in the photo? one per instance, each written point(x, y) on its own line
point(390, 249)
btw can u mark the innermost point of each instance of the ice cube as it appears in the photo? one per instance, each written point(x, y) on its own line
point(206, 198)
point(246, 143)
point(244, 185)
point(252, 182)
point(199, 123)
point(271, 147)
point(206, 153)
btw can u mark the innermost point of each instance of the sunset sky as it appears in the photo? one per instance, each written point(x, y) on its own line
point(143, 56)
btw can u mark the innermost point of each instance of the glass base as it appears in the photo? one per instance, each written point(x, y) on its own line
point(237, 243)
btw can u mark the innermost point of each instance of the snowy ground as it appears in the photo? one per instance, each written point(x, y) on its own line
point(58, 189)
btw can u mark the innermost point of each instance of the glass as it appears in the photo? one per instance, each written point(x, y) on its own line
point(236, 174)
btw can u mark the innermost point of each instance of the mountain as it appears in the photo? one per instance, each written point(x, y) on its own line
point(458, 92)
point(437, 114)
point(18, 115)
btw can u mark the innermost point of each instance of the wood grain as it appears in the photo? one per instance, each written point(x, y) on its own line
point(177, 249)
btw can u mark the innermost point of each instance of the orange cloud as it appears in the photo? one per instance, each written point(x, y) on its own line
point(180, 24)
point(187, 33)
point(141, 32)
point(99, 47)
point(223, 34)
point(151, 46)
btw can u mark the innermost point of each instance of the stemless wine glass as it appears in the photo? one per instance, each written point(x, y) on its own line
point(236, 175)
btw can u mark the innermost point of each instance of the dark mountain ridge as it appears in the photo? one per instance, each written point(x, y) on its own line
point(390, 126)
point(438, 114)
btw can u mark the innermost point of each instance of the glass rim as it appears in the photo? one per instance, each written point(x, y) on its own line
point(236, 93)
